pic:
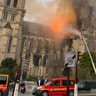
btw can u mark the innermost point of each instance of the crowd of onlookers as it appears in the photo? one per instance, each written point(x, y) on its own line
point(41, 81)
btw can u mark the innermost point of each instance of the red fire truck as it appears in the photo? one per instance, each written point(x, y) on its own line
point(55, 87)
point(4, 88)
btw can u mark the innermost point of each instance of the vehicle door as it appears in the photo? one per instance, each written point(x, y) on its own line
point(65, 85)
point(55, 88)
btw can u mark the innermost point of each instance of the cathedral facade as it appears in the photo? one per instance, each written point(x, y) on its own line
point(11, 18)
point(34, 42)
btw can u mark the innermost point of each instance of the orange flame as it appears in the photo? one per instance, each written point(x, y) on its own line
point(57, 24)
point(65, 16)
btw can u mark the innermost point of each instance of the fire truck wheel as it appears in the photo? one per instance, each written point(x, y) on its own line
point(71, 93)
point(0, 93)
point(45, 93)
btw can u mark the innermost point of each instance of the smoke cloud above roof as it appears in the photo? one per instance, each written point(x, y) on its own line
point(43, 11)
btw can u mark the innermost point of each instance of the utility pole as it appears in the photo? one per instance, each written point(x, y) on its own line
point(76, 74)
point(66, 72)
point(20, 68)
point(68, 81)
point(17, 79)
point(70, 61)
point(16, 85)
point(76, 77)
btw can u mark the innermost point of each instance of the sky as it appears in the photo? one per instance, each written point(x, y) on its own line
point(42, 11)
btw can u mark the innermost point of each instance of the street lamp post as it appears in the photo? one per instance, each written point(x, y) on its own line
point(68, 81)
point(17, 79)
point(20, 68)
point(76, 76)
point(70, 61)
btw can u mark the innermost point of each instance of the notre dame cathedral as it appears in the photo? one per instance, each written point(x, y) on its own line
point(33, 42)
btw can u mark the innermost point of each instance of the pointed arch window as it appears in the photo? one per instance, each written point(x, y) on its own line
point(12, 17)
point(5, 14)
point(8, 2)
point(9, 45)
point(15, 3)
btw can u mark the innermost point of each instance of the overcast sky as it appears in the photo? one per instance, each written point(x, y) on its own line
point(42, 11)
point(39, 10)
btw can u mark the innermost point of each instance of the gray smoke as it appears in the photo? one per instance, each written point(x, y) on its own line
point(43, 13)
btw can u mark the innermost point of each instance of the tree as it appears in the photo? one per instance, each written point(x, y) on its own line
point(10, 64)
point(4, 71)
point(86, 70)
point(15, 69)
point(31, 78)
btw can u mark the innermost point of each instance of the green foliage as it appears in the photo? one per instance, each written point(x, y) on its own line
point(10, 65)
point(14, 70)
point(31, 78)
point(86, 70)
point(4, 71)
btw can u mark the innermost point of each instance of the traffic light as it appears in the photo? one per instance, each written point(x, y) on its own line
point(16, 76)
point(66, 70)
point(78, 55)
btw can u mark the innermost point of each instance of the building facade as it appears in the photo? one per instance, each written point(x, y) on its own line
point(34, 42)
point(11, 18)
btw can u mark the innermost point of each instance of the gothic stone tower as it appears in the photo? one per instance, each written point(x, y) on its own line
point(11, 17)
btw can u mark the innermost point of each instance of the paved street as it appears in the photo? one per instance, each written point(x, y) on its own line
point(20, 94)
point(30, 94)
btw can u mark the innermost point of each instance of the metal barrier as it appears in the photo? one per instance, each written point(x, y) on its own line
point(88, 85)
point(30, 86)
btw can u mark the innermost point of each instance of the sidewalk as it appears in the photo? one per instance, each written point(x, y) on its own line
point(87, 93)
point(20, 94)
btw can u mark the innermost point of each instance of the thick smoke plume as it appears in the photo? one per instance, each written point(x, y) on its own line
point(65, 21)
point(36, 11)
point(60, 15)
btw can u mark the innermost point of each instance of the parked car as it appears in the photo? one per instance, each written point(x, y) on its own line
point(55, 87)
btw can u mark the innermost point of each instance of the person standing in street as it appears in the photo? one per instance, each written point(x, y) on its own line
point(40, 81)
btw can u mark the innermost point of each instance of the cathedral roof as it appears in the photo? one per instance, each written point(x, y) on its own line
point(36, 29)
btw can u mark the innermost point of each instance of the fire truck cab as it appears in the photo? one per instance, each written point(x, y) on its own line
point(4, 88)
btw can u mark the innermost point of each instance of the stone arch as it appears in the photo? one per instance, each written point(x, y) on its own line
point(46, 46)
point(9, 44)
point(8, 2)
point(23, 40)
point(22, 44)
point(39, 46)
point(31, 46)
point(15, 3)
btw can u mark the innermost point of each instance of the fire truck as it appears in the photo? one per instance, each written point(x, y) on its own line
point(4, 82)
